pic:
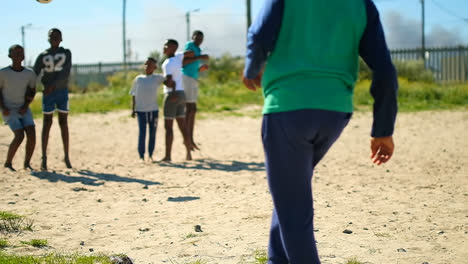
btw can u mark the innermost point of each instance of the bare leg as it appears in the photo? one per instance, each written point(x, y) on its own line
point(168, 123)
point(187, 142)
point(63, 122)
point(47, 123)
point(30, 144)
point(14, 145)
point(190, 121)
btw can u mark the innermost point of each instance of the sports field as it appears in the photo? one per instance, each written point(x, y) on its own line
point(411, 210)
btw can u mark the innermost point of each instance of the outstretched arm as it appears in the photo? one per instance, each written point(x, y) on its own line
point(189, 60)
point(189, 57)
point(189, 54)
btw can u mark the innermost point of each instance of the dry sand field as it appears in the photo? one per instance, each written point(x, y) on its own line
point(412, 210)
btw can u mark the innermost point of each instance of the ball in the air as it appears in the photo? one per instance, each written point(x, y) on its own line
point(44, 1)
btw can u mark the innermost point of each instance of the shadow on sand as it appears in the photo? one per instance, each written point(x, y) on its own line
point(182, 199)
point(88, 177)
point(209, 164)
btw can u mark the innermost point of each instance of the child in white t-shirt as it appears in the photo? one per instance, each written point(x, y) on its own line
point(145, 105)
point(174, 100)
point(17, 90)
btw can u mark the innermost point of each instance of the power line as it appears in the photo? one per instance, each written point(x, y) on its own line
point(449, 11)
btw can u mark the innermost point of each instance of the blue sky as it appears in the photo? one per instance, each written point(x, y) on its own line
point(92, 29)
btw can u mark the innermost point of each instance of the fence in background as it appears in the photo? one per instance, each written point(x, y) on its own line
point(448, 64)
point(82, 75)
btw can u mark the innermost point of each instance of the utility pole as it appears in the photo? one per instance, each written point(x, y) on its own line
point(23, 41)
point(124, 36)
point(423, 34)
point(249, 13)
point(187, 20)
point(129, 51)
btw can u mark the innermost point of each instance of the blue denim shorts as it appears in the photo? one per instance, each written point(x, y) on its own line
point(57, 99)
point(16, 121)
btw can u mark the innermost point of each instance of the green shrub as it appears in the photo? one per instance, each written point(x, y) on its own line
point(412, 71)
point(224, 69)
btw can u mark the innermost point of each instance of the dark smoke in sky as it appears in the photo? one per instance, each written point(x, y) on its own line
point(402, 32)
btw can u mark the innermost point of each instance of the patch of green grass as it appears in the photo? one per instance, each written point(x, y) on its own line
point(190, 235)
point(353, 261)
point(226, 97)
point(39, 243)
point(3, 243)
point(223, 93)
point(198, 261)
point(418, 96)
point(260, 257)
point(14, 223)
point(9, 216)
point(54, 259)
point(98, 102)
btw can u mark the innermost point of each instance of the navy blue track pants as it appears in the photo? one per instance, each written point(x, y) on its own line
point(294, 142)
point(149, 119)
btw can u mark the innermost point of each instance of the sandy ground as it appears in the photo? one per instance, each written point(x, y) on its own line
point(412, 210)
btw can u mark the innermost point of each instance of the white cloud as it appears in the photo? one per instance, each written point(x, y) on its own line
point(224, 32)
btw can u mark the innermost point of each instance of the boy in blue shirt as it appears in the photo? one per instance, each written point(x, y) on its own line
point(190, 78)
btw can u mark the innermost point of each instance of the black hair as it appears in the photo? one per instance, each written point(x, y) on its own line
point(197, 33)
point(12, 48)
point(54, 30)
point(172, 41)
point(152, 59)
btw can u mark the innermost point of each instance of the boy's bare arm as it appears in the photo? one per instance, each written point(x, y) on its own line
point(133, 106)
point(28, 98)
point(188, 60)
point(189, 54)
point(5, 110)
point(169, 82)
point(203, 68)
